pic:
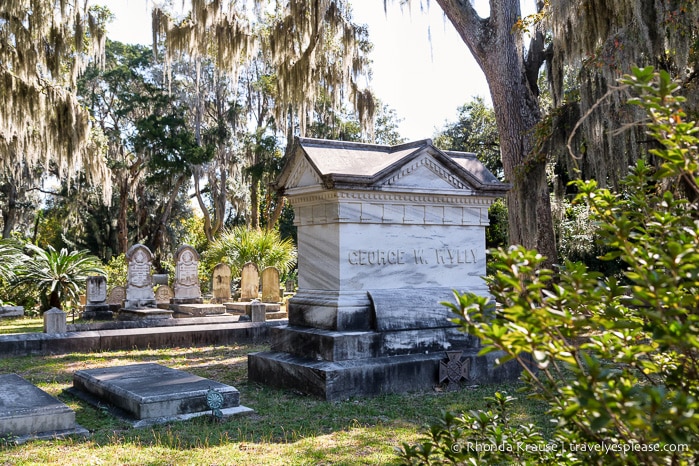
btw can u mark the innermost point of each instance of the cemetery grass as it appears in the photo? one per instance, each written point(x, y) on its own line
point(21, 325)
point(286, 427)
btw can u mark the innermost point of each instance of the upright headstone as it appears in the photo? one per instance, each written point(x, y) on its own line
point(270, 285)
point(221, 283)
point(55, 321)
point(385, 233)
point(115, 298)
point(96, 306)
point(139, 285)
point(163, 295)
point(249, 282)
point(186, 287)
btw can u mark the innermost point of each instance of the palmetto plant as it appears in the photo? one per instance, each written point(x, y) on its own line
point(262, 247)
point(58, 276)
point(11, 254)
point(10, 260)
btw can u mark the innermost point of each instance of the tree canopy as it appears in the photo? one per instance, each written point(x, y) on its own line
point(44, 45)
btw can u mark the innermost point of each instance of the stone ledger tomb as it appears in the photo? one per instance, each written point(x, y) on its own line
point(148, 394)
point(384, 235)
point(27, 412)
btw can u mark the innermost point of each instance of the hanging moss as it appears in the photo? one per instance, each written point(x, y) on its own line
point(312, 46)
point(42, 52)
point(602, 40)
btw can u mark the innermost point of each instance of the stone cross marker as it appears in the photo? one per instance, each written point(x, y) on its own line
point(270, 285)
point(139, 287)
point(186, 287)
point(249, 282)
point(221, 283)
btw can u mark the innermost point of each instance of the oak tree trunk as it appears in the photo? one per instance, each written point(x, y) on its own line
point(497, 47)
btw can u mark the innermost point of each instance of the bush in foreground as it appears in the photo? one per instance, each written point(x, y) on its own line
point(617, 360)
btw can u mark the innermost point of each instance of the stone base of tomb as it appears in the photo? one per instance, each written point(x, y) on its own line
point(403, 350)
point(11, 311)
point(139, 303)
point(196, 310)
point(149, 394)
point(97, 312)
point(258, 313)
point(178, 301)
point(27, 412)
point(150, 313)
point(243, 307)
point(341, 379)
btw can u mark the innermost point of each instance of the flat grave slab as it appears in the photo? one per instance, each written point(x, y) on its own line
point(197, 310)
point(152, 313)
point(148, 394)
point(27, 412)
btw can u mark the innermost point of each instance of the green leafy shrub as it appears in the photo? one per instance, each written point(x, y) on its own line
point(616, 359)
point(57, 276)
point(240, 245)
point(116, 271)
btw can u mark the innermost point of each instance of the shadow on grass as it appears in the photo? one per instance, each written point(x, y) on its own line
point(311, 430)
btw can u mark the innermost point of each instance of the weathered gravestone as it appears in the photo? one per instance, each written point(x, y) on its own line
point(140, 303)
point(186, 287)
point(249, 297)
point(116, 297)
point(187, 301)
point(384, 235)
point(55, 321)
point(270, 285)
point(249, 282)
point(163, 295)
point(221, 284)
point(11, 311)
point(96, 306)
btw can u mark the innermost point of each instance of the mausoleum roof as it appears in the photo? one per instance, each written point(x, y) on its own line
point(341, 164)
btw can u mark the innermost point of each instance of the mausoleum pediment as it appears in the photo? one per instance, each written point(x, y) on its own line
point(418, 165)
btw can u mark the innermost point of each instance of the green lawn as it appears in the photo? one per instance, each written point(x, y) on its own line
point(21, 325)
point(287, 427)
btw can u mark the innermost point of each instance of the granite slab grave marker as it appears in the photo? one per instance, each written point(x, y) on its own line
point(186, 286)
point(96, 306)
point(270, 285)
point(27, 412)
point(385, 233)
point(221, 283)
point(148, 394)
point(249, 282)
